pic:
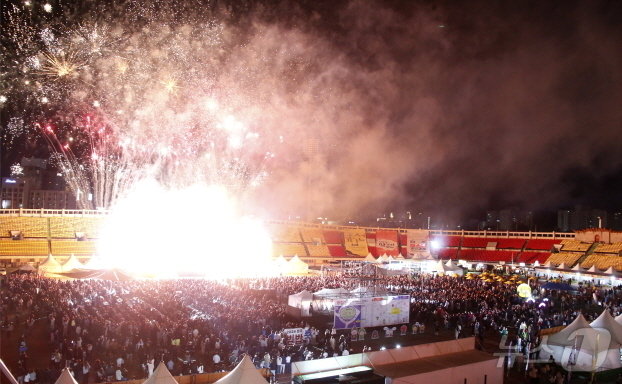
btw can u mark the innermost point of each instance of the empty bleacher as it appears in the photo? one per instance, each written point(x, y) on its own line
point(312, 235)
point(283, 233)
point(27, 247)
point(614, 248)
point(337, 250)
point(488, 256)
point(446, 241)
point(475, 242)
point(575, 246)
point(448, 253)
point(333, 237)
point(30, 227)
point(288, 249)
point(541, 244)
point(508, 243)
point(530, 257)
point(68, 247)
point(568, 258)
point(602, 262)
point(316, 250)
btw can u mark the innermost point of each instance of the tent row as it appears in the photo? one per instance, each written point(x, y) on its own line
point(244, 373)
point(587, 346)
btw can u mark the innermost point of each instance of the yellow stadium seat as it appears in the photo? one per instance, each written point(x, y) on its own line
point(288, 249)
point(68, 247)
point(29, 226)
point(27, 247)
point(567, 258)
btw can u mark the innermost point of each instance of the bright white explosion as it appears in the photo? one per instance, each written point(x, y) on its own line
point(205, 234)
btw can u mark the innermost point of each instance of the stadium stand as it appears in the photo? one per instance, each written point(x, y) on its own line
point(488, 256)
point(333, 237)
point(89, 225)
point(448, 253)
point(446, 241)
point(63, 227)
point(312, 235)
point(475, 242)
point(317, 250)
point(68, 247)
point(337, 250)
point(603, 262)
point(27, 247)
point(568, 258)
point(288, 249)
point(541, 244)
point(575, 246)
point(30, 227)
point(530, 257)
point(508, 243)
point(615, 248)
point(283, 233)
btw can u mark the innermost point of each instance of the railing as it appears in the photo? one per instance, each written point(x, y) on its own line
point(52, 212)
point(497, 234)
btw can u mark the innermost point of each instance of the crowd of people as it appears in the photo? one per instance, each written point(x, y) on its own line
point(117, 330)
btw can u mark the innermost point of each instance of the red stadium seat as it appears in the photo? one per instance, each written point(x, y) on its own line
point(333, 237)
point(475, 242)
point(337, 251)
point(541, 244)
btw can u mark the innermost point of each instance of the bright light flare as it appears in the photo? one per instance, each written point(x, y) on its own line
point(205, 234)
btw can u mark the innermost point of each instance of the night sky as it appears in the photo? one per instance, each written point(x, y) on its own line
point(447, 107)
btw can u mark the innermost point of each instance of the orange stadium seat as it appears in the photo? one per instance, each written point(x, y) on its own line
point(603, 262)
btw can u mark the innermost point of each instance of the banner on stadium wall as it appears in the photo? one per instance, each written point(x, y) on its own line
point(372, 311)
point(386, 242)
point(417, 241)
point(355, 242)
point(347, 316)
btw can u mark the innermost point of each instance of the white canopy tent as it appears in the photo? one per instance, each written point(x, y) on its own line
point(587, 345)
point(448, 270)
point(161, 375)
point(301, 300)
point(50, 265)
point(71, 263)
point(65, 377)
point(295, 266)
point(370, 258)
point(244, 373)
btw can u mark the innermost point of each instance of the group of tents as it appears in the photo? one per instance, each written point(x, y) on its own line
point(584, 346)
point(244, 373)
point(72, 268)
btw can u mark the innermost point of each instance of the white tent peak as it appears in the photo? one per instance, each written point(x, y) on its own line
point(370, 258)
point(50, 265)
point(562, 266)
point(65, 377)
point(244, 373)
point(606, 321)
point(563, 337)
point(161, 375)
point(71, 263)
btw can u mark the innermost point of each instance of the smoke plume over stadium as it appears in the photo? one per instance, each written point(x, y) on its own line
point(314, 108)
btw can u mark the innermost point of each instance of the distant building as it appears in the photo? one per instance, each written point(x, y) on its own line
point(34, 188)
point(581, 217)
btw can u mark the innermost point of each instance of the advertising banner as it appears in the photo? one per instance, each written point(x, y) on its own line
point(356, 242)
point(386, 242)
